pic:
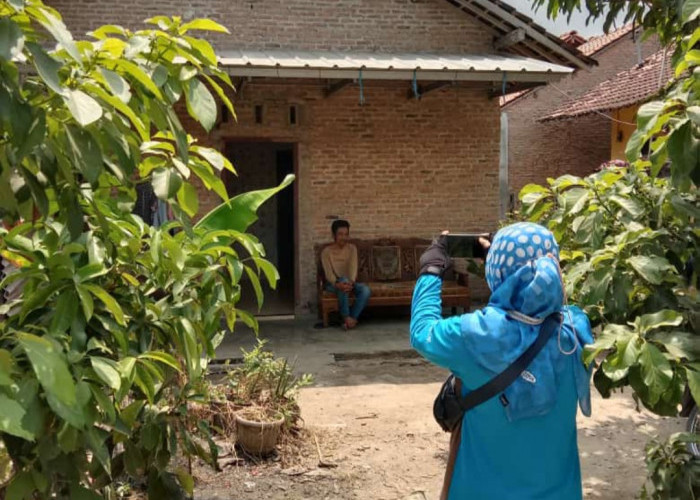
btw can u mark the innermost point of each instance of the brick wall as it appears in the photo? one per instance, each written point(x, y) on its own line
point(374, 25)
point(541, 150)
point(393, 167)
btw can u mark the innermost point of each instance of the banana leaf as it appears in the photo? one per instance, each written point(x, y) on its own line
point(240, 212)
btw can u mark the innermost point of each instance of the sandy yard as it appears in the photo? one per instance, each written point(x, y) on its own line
point(373, 423)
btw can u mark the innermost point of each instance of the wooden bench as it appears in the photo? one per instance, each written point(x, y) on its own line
point(390, 267)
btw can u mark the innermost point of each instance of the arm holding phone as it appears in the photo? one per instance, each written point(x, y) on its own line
point(431, 335)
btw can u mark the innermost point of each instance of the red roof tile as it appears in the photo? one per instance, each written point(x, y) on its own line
point(573, 38)
point(593, 45)
point(629, 87)
point(596, 43)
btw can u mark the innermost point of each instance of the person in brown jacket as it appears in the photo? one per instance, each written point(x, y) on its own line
point(339, 261)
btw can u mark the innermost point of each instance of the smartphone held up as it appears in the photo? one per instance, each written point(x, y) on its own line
point(466, 245)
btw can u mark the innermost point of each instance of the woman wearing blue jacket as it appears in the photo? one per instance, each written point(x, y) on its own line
point(522, 446)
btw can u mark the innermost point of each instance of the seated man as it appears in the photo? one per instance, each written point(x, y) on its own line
point(340, 269)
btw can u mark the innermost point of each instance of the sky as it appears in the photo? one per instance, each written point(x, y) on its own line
point(560, 25)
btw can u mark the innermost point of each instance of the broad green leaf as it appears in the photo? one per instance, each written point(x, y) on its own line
point(680, 344)
point(90, 272)
point(694, 113)
point(86, 301)
point(209, 179)
point(145, 382)
point(11, 416)
point(269, 269)
point(611, 335)
point(249, 320)
point(47, 67)
point(175, 253)
point(202, 49)
point(37, 299)
point(21, 486)
point(665, 317)
point(109, 302)
point(78, 492)
point(7, 367)
point(159, 75)
point(656, 371)
point(84, 108)
point(693, 383)
point(38, 191)
point(187, 73)
point(120, 106)
point(131, 412)
point(648, 113)
point(136, 45)
point(68, 438)
point(108, 29)
point(138, 74)
point(96, 443)
point(630, 205)
point(133, 461)
point(691, 10)
point(201, 104)
point(64, 313)
point(215, 158)
point(35, 137)
point(203, 24)
point(50, 367)
point(58, 30)
point(652, 269)
point(161, 357)
point(105, 403)
point(241, 211)
point(107, 370)
point(186, 481)
point(187, 197)
point(222, 93)
point(166, 183)
point(255, 282)
point(684, 152)
point(117, 85)
point(11, 39)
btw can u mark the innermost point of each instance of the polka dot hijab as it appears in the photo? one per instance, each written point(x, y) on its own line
point(517, 246)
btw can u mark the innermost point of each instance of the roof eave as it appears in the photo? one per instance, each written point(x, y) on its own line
point(395, 74)
point(503, 18)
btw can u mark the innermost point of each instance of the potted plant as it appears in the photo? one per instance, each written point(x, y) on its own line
point(267, 388)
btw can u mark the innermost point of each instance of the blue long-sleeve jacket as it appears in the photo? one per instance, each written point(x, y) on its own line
point(502, 456)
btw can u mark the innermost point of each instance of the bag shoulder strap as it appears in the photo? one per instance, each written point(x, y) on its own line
point(500, 382)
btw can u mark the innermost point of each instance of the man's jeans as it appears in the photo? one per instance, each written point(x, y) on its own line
point(362, 294)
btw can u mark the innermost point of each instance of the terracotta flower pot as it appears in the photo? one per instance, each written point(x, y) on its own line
point(257, 438)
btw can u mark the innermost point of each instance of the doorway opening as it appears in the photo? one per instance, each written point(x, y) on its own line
point(262, 165)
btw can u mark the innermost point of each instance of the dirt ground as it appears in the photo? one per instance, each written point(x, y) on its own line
point(373, 423)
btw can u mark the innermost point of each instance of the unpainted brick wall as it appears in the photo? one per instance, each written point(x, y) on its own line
point(393, 167)
point(540, 150)
point(372, 25)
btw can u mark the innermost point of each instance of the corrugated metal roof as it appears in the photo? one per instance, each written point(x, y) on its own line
point(322, 64)
point(538, 43)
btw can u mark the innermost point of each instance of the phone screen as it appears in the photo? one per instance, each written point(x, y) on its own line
point(465, 246)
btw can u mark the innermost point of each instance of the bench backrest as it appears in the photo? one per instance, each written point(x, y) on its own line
point(382, 259)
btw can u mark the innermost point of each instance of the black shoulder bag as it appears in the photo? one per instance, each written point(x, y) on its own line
point(450, 406)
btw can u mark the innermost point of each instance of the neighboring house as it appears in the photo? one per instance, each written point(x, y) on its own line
point(538, 150)
point(384, 109)
point(620, 98)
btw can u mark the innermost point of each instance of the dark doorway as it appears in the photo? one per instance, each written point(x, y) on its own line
point(262, 165)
